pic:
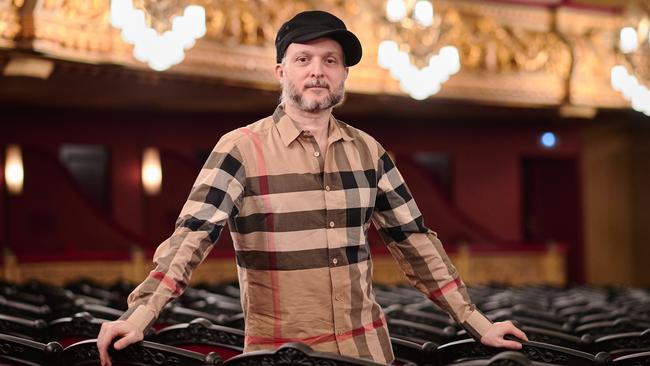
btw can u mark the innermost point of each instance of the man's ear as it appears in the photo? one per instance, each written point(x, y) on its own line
point(279, 73)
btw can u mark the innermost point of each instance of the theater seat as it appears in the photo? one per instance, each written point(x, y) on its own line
point(420, 333)
point(76, 328)
point(200, 335)
point(621, 344)
point(16, 351)
point(295, 354)
point(85, 353)
point(406, 353)
point(24, 328)
point(634, 359)
point(469, 349)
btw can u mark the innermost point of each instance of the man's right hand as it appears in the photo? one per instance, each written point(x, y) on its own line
point(127, 333)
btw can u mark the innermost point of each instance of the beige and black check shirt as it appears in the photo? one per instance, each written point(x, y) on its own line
point(299, 221)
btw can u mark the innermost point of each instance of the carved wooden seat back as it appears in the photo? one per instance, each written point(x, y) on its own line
point(202, 336)
point(295, 354)
point(469, 349)
point(24, 328)
point(420, 333)
point(69, 330)
point(624, 343)
point(634, 359)
point(144, 353)
point(16, 351)
point(406, 352)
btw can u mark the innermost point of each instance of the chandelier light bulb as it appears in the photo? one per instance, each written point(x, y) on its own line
point(196, 16)
point(395, 10)
point(120, 10)
point(386, 54)
point(423, 13)
point(134, 26)
point(618, 75)
point(628, 41)
point(450, 59)
point(632, 90)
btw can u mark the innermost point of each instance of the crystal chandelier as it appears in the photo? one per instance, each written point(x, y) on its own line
point(631, 75)
point(411, 52)
point(160, 50)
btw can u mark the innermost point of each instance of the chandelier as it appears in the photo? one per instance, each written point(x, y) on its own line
point(411, 51)
point(163, 46)
point(631, 75)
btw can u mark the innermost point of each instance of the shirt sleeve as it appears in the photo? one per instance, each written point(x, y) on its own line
point(418, 250)
point(215, 196)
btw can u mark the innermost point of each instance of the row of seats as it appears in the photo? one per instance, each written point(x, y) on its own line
point(565, 326)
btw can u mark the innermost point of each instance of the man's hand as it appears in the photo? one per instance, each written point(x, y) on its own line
point(127, 332)
point(494, 337)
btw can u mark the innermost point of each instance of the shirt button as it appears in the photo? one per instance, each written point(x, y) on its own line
point(337, 298)
point(327, 188)
point(331, 223)
point(335, 261)
point(316, 154)
point(339, 332)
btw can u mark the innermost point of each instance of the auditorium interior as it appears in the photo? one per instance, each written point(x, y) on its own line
point(522, 128)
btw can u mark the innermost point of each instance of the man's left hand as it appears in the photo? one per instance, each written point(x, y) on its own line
point(494, 337)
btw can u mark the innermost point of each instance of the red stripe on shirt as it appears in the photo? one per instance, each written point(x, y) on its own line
point(264, 193)
point(167, 281)
point(444, 289)
point(278, 341)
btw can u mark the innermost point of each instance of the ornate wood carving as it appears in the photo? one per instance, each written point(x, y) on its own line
point(510, 53)
point(9, 21)
point(295, 354)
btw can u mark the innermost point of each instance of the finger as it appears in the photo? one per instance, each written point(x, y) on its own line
point(125, 341)
point(519, 334)
point(103, 340)
point(510, 344)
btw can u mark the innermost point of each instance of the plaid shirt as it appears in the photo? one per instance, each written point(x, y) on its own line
point(299, 221)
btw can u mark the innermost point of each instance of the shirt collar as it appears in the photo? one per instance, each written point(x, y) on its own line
point(289, 131)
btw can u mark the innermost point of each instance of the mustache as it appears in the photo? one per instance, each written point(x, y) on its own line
point(316, 84)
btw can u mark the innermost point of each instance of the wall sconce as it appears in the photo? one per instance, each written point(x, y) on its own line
point(14, 171)
point(151, 171)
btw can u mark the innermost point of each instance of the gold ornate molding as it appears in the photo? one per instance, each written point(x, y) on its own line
point(511, 268)
point(76, 29)
point(510, 53)
point(9, 21)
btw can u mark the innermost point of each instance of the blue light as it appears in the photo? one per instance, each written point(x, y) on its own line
point(548, 140)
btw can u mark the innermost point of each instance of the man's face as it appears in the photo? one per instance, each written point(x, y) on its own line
point(313, 75)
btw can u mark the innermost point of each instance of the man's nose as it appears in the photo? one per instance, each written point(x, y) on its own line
point(316, 70)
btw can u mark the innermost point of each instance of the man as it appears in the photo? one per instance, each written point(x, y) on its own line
point(299, 190)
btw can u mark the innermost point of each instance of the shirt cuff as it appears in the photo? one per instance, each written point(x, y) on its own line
point(477, 325)
point(140, 316)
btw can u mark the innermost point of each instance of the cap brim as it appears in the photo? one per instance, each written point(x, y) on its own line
point(348, 41)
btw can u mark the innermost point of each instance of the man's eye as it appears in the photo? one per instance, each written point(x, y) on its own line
point(301, 59)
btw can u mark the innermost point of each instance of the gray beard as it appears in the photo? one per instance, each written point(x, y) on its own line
point(290, 94)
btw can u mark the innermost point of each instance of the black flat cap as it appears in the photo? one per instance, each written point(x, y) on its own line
point(309, 25)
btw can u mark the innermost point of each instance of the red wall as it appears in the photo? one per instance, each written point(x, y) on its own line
point(486, 162)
